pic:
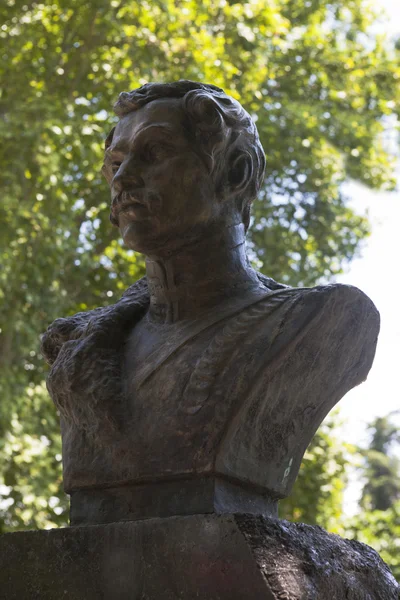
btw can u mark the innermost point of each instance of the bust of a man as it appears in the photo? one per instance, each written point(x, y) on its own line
point(200, 389)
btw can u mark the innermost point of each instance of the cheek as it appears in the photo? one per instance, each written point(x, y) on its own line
point(184, 174)
point(171, 174)
point(200, 197)
point(192, 181)
point(195, 174)
point(186, 191)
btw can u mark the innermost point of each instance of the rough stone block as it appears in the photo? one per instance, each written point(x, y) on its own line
point(203, 557)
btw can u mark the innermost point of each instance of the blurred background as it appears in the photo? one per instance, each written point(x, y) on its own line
point(322, 80)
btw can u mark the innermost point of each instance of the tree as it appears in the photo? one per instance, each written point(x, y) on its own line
point(317, 496)
point(382, 470)
point(378, 523)
point(381, 530)
point(31, 492)
point(320, 83)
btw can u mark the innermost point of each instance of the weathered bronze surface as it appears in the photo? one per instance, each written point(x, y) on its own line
point(201, 388)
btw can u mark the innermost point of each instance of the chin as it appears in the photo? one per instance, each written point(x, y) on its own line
point(148, 238)
point(136, 243)
point(139, 236)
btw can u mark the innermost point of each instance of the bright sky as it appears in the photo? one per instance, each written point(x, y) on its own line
point(377, 273)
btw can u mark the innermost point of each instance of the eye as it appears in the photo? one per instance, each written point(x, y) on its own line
point(115, 166)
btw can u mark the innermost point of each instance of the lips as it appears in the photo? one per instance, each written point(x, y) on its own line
point(127, 202)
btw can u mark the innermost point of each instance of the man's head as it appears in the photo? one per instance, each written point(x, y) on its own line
point(183, 157)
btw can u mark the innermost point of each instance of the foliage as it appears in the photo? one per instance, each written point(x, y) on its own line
point(381, 530)
point(323, 86)
point(378, 523)
point(30, 465)
point(382, 470)
point(317, 496)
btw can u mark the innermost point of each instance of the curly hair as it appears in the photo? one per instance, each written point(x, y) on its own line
point(223, 131)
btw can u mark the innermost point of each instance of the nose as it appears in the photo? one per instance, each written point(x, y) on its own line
point(128, 176)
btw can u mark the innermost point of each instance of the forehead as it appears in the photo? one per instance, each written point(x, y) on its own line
point(165, 114)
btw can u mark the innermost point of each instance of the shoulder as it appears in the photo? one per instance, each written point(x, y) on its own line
point(81, 324)
point(286, 312)
point(334, 300)
point(337, 323)
point(335, 326)
point(340, 304)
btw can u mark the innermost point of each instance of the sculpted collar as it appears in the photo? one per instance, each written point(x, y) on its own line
point(87, 347)
point(200, 276)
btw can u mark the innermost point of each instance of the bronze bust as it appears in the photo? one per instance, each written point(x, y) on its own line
point(201, 388)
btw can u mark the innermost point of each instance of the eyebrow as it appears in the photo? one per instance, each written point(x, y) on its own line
point(120, 147)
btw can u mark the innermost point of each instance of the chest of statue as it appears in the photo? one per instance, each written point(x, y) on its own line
point(178, 395)
point(234, 398)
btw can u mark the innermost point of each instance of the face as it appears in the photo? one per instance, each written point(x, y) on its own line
point(162, 194)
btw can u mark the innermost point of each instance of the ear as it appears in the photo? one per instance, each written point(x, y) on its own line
point(240, 171)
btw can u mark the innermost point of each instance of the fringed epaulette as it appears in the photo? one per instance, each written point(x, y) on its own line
point(81, 324)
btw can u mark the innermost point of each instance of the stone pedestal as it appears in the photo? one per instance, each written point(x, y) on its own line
point(202, 557)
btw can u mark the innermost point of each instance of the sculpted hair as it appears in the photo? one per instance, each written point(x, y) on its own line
point(221, 128)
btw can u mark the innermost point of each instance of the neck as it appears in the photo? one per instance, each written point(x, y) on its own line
point(199, 276)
